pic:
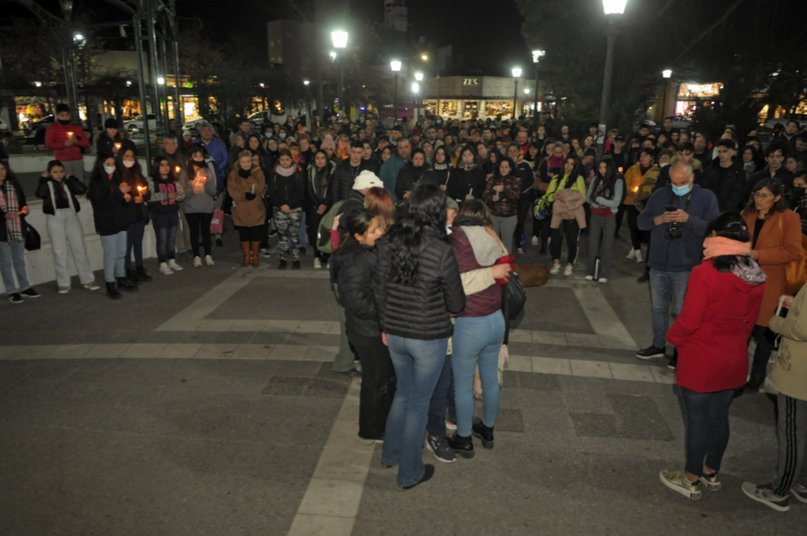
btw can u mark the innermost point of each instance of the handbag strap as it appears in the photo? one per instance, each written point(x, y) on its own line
point(53, 196)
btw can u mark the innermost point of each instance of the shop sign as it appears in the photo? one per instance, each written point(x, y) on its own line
point(470, 81)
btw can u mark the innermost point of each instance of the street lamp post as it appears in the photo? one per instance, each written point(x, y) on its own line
point(537, 54)
point(415, 93)
point(395, 65)
point(611, 8)
point(419, 102)
point(339, 39)
point(666, 74)
point(516, 71)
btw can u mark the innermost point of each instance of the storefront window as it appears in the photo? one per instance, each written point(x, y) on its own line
point(449, 108)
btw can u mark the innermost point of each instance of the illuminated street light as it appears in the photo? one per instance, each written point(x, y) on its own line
point(526, 91)
point(415, 88)
point(128, 83)
point(666, 73)
point(37, 84)
point(395, 66)
point(78, 37)
point(306, 82)
point(332, 54)
point(161, 80)
point(516, 71)
point(424, 57)
point(339, 38)
point(537, 54)
point(418, 76)
point(614, 8)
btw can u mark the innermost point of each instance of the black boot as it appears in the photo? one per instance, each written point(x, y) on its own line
point(463, 446)
point(143, 275)
point(485, 433)
point(112, 291)
point(125, 284)
point(282, 264)
point(131, 275)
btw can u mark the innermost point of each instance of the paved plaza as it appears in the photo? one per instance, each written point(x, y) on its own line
point(204, 404)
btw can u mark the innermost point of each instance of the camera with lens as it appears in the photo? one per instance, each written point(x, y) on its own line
point(673, 231)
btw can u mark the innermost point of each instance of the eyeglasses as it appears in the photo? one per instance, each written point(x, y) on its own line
point(762, 195)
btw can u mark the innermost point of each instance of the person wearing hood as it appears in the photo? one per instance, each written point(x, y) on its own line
point(719, 312)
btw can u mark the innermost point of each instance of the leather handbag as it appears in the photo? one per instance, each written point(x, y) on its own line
point(32, 239)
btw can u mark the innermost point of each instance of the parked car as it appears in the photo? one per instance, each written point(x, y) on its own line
point(3, 126)
point(136, 124)
point(801, 119)
point(34, 130)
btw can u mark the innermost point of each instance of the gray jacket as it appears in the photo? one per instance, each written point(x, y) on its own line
point(200, 199)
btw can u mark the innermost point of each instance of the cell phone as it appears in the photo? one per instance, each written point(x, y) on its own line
point(670, 209)
point(780, 309)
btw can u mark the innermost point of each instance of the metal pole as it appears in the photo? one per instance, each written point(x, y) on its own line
point(342, 89)
point(606, 84)
point(395, 98)
point(153, 66)
point(141, 79)
point(68, 80)
point(515, 100)
point(178, 112)
point(320, 95)
point(535, 107)
point(164, 56)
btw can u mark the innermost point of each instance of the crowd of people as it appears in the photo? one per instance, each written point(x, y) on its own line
point(420, 225)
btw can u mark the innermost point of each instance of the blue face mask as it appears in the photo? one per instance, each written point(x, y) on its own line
point(681, 191)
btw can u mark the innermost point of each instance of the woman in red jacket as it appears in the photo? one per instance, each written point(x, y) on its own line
point(711, 334)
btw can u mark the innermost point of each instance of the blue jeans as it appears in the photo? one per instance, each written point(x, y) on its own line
point(165, 231)
point(477, 339)
point(667, 291)
point(706, 416)
point(418, 365)
point(443, 391)
point(12, 262)
point(114, 247)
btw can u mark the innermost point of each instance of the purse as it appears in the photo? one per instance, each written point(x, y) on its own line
point(217, 222)
point(514, 297)
point(33, 241)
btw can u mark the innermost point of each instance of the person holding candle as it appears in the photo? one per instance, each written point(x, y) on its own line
point(67, 140)
point(164, 197)
point(198, 180)
point(110, 196)
point(110, 141)
point(246, 185)
point(176, 159)
point(136, 213)
point(60, 205)
point(13, 209)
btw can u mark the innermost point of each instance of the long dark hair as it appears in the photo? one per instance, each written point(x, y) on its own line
point(98, 172)
point(607, 182)
point(729, 225)
point(358, 222)
point(776, 187)
point(155, 168)
point(426, 211)
point(572, 178)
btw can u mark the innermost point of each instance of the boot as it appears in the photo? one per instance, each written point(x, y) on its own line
point(255, 250)
point(125, 284)
point(463, 446)
point(245, 253)
point(485, 433)
point(131, 275)
point(112, 291)
point(143, 275)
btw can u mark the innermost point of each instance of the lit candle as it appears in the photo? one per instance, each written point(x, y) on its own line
point(253, 188)
point(178, 169)
point(117, 147)
point(635, 189)
point(141, 189)
point(70, 134)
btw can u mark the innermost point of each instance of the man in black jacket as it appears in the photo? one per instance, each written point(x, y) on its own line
point(775, 157)
point(347, 171)
point(726, 178)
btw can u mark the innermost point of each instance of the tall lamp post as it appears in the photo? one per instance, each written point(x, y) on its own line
point(395, 66)
point(666, 74)
point(418, 106)
point(516, 71)
point(339, 41)
point(612, 9)
point(537, 54)
point(415, 93)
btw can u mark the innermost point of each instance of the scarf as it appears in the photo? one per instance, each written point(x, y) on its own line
point(285, 172)
point(715, 246)
point(9, 203)
point(440, 167)
point(244, 173)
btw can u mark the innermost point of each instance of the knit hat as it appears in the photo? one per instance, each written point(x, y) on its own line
point(111, 122)
point(367, 179)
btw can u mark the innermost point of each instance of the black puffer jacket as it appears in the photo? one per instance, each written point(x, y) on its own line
point(465, 181)
point(351, 276)
point(70, 186)
point(420, 310)
point(343, 177)
point(108, 204)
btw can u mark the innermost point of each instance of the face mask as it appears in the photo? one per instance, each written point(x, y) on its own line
point(681, 191)
point(64, 121)
point(198, 163)
point(128, 163)
point(109, 170)
point(282, 135)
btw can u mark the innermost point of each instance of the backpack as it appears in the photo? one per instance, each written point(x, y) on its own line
point(325, 225)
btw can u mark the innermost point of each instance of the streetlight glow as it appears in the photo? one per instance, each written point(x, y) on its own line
point(332, 54)
point(339, 38)
point(614, 7)
point(415, 88)
point(395, 65)
point(666, 73)
point(128, 83)
point(37, 84)
point(418, 76)
point(516, 72)
point(161, 80)
point(424, 57)
point(526, 91)
point(78, 37)
point(306, 82)
point(537, 54)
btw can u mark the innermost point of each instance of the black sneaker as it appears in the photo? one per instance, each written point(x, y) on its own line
point(650, 352)
point(30, 293)
point(295, 265)
point(428, 473)
point(439, 447)
point(464, 446)
point(219, 243)
point(672, 363)
point(644, 278)
point(485, 433)
point(282, 265)
point(15, 297)
point(143, 275)
point(112, 291)
point(125, 284)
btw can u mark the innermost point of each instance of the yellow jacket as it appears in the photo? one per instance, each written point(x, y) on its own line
point(639, 186)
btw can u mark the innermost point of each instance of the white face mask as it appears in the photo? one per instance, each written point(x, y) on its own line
point(109, 169)
point(128, 163)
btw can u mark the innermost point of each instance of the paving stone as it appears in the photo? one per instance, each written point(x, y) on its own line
point(286, 386)
point(510, 420)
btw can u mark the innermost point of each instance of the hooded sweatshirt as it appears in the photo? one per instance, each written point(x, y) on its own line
point(475, 248)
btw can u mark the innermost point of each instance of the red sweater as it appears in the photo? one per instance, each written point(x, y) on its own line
point(56, 135)
point(711, 333)
point(480, 303)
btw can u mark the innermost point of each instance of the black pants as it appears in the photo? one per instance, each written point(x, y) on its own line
point(524, 205)
point(706, 418)
point(620, 214)
point(250, 234)
point(199, 227)
point(764, 338)
point(377, 385)
point(267, 224)
point(633, 225)
point(570, 230)
point(134, 243)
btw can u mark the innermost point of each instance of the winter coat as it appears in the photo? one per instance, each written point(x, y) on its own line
point(351, 274)
point(465, 181)
point(56, 136)
point(728, 184)
point(421, 309)
point(408, 178)
point(343, 177)
point(475, 248)
point(108, 204)
point(789, 373)
point(711, 333)
point(507, 203)
point(69, 186)
point(319, 186)
point(200, 190)
point(286, 190)
point(247, 212)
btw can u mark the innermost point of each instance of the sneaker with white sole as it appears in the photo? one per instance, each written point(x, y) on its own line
point(197, 262)
point(534, 240)
point(765, 495)
point(679, 483)
point(650, 352)
point(602, 280)
point(589, 278)
point(165, 270)
point(172, 263)
point(317, 264)
point(639, 258)
point(568, 270)
point(712, 482)
point(209, 261)
point(63, 290)
point(451, 425)
point(91, 286)
point(631, 254)
point(799, 492)
point(555, 270)
point(440, 448)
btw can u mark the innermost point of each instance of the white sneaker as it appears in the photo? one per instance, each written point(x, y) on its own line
point(555, 270)
point(209, 260)
point(317, 264)
point(603, 280)
point(165, 270)
point(589, 278)
point(631, 254)
point(91, 286)
point(568, 270)
point(534, 241)
point(639, 258)
point(172, 263)
point(64, 290)
point(197, 262)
